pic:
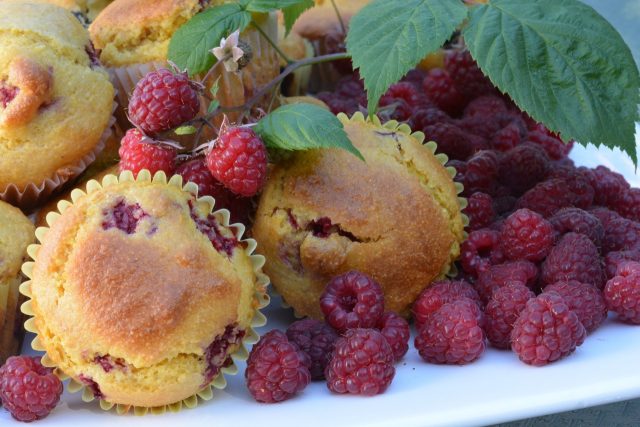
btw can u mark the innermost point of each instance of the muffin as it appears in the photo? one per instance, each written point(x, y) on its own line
point(88, 9)
point(295, 48)
point(133, 38)
point(141, 294)
point(55, 101)
point(16, 233)
point(395, 217)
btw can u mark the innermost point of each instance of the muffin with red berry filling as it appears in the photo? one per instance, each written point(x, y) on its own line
point(142, 294)
point(394, 217)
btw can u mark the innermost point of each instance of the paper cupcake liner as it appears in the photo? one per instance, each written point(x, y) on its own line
point(234, 88)
point(261, 297)
point(33, 194)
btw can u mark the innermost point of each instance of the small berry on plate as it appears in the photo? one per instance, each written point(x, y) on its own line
point(575, 257)
point(479, 210)
point(622, 293)
point(352, 300)
point(547, 197)
point(317, 340)
point(239, 161)
point(452, 335)
point(546, 330)
point(506, 138)
point(613, 260)
point(362, 363)
point(485, 106)
point(28, 390)
point(502, 311)
point(621, 235)
point(138, 152)
point(440, 89)
point(466, 75)
point(585, 299)
point(608, 185)
point(526, 235)
point(276, 369)
point(480, 251)
point(438, 294)
point(162, 101)
point(510, 273)
point(553, 146)
point(481, 172)
point(522, 167)
point(578, 221)
point(452, 140)
point(396, 331)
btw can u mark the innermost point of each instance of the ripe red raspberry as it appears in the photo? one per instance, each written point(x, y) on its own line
point(138, 152)
point(485, 106)
point(504, 205)
point(452, 335)
point(608, 185)
point(574, 257)
point(28, 390)
point(622, 293)
point(362, 363)
point(553, 146)
point(613, 260)
point(350, 86)
point(451, 140)
point(337, 104)
point(480, 251)
point(460, 167)
point(405, 91)
point(335, 42)
point(526, 235)
point(605, 216)
point(628, 204)
point(621, 235)
point(501, 275)
point(438, 294)
point(239, 161)
point(502, 311)
point(352, 300)
point(396, 331)
point(507, 138)
point(547, 197)
point(466, 75)
point(276, 369)
point(479, 210)
point(481, 172)
point(163, 100)
point(317, 340)
point(546, 330)
point(400, 109)
point(578, 221)
point(440, 89)
point(483, 126)
point(427, 116)
point(522, 167)
point(583, 298)
point(581, 192)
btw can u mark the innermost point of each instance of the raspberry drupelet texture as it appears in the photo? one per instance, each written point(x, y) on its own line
point(28, 390)
point(138, 152)
point(526, 235)
point(396, 331)
point(427, 116)
point(352, 300)
point(239, 161)
point(507, 138)
point(553, 146)
point(575, 257)
point(605, 215)
point(522, 167)
point(481, 172)
point(276, 369)
point(510, 273)
point(407, 92)
point(480, 251)
point(621, 235)
point(502, 311)
point(613, 260)
point(162, 101)
point(452, 140)
point(628, 204)
point(453, 335)
point(440, 89)
point(584, 299)
point(317, 340)
point(485, 106)
point(479, 210)
point(466, 75)
point(439, 294)
point(362, 363)
point(622, 293)
point(608, 185)
point(547, 197)
point(578, 221)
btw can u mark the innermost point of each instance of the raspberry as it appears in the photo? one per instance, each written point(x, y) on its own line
point(239, 161)
point(504, 204)
point(481, 172)
point(405, 91)
point(28, 390)
point(526, 235)
point(401, 110)
point(621, 235)
point(485, 106)
point(452, 335)
point(546, 330)
point(460, 167)
point(339, 105)
point(396, 331)
point(163, 100)
point(553, 146)
point(123, 216)
point(585, 300)
point(428, 116)
point(628, 204)
point(334, 42)
point(575, 257)
point(362, 363)
point(547, 197)
point(483, 126)
point(581, 192)
point(578, 221)
point(138, 152)
point(350, 87)
point(466, 75)
point(523, 167)
point(352, 300)
point(501, 275)
point(503, 310)
point(438, 294)
point(276, 369)
point(480, 250)
point(479, 210)
point(317, 340)
point(506, 138)
point(605, 216)
point(415, 77)
point(613, 260)
point(451, 140)
point(440, 89)
point(622, 293)
point(608, 185)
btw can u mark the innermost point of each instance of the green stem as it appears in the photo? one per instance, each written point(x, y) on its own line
point(335, 7)
point(271, 42)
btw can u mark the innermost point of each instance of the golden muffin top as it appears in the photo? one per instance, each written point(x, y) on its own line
point(16, 233)
point(318, 21)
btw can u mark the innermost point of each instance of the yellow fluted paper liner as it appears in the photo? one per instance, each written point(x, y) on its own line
point(261, 298)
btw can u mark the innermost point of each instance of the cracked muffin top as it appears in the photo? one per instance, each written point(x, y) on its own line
point(395, 217)
point(142, 294)
point(55, 101)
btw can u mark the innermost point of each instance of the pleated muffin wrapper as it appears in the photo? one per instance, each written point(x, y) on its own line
point(234, 88)
point(261, 298)
point(34, 194)
point(450, 270)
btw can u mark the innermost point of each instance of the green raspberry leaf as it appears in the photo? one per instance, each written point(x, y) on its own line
point(563, 64)
point(387, 38)
point(297, 127)
point(190, 46)
point(292, 13)
point(269, 5)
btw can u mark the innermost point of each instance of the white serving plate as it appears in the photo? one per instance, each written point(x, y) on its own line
point(496, 388)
